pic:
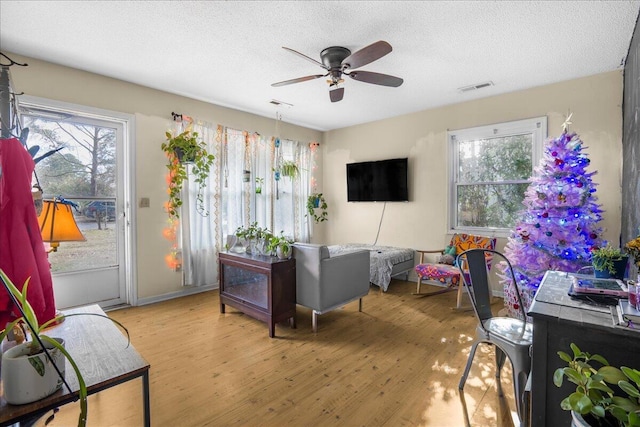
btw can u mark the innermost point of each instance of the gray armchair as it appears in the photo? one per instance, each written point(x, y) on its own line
point(324, 283)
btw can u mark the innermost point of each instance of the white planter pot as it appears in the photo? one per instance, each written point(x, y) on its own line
point(283, 254)
point(27, 378)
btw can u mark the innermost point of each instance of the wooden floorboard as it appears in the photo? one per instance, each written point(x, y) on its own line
point(397, 363)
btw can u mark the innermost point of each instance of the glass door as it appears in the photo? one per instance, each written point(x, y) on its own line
point(79, 158)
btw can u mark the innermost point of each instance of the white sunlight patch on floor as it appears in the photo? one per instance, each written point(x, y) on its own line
point(443, 404)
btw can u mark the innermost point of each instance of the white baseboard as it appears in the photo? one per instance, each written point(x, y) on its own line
point(185, 291)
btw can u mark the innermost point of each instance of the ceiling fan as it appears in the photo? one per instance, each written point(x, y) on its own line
point(338, 60)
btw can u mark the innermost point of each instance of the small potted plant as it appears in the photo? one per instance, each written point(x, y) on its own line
point(27, 374)
point(280, 246)
point(608, 262)
point(317, 207)
point(259, 183)
point(183, 150)
point(255, 238)
point(287, 168)
point(595, 402)
point(633, 249)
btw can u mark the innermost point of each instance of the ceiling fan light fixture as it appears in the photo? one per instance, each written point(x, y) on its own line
point(336, 60)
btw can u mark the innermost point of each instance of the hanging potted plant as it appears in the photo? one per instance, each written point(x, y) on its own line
point(317, 207)
point(287, 168)
point(184, 150)
point(30, 373)
point(259, 183)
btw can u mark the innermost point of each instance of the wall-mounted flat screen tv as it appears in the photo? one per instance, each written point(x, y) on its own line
point(378, 181)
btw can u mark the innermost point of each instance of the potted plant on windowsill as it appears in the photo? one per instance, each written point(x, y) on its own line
point(608, 262)
point(595, 402)
point(183, 150)
point(30, 373)
point(317, 207)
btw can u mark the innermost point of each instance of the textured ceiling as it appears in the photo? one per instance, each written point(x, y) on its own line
point(228, 53)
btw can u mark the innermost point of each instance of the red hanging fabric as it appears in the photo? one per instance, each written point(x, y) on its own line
point(22, 252)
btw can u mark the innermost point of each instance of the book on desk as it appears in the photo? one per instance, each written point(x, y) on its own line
point(627, 313)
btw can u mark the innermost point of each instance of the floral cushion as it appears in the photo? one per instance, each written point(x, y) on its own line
point(449, 275)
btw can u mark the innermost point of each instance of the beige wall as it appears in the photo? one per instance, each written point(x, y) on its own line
point(422, 222)
point(152, 110)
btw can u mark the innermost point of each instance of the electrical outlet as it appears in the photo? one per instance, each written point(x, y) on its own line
point(144, 202)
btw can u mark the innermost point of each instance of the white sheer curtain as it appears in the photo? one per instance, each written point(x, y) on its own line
point(199, 231)
point(231, 199)
point(281, 206)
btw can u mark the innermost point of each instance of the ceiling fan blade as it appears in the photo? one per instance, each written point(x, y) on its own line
point(305, 57)
point(298, 80)
point(336, 94)
point(376, 78)
point(367, 54)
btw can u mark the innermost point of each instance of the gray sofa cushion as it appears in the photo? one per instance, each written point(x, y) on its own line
point(324, 283)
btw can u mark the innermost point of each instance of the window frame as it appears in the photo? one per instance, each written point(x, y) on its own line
point(536, 126)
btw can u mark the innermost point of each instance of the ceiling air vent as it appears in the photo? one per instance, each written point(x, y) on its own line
point(279, 103)
point(475, 87)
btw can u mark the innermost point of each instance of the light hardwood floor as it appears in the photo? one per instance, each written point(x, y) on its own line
point(397, 363)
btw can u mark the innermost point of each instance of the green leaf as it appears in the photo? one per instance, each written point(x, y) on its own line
point(628, 388)
point(619, 413)
point(558, 375)
point(37, 364)
point(564, 356)
point(575, 349)
point(574, 376)
point(634, 419)
point(597, 385)
point(565, 404)
point(627, 404)
point(600, 359)
point(598, 411)
point(580, 403)
point(611, 374)
point(632, 374)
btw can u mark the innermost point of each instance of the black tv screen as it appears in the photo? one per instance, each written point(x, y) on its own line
point(378, 181)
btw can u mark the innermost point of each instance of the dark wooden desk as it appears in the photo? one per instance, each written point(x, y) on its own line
point(100, 350)
point(559, 320)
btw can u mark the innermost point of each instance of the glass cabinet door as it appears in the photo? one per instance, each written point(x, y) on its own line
point(247, 285)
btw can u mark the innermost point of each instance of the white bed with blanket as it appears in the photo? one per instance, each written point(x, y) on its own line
point(386, 261)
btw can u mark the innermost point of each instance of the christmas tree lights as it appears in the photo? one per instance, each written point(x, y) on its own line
point(558, 227)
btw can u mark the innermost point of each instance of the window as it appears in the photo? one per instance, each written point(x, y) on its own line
point(490, 170)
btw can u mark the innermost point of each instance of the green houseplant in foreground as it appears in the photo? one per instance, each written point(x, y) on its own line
point(594, 397)
point(36, 331)
point(181, 150)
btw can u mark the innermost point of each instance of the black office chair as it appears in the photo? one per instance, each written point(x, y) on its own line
point(511, 337)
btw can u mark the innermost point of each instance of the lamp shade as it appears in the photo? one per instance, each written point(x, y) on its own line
point(57, 224)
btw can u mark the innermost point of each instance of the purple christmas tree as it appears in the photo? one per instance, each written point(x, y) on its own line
point(558, 227)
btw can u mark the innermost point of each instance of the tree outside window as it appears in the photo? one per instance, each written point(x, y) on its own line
point(491, 170)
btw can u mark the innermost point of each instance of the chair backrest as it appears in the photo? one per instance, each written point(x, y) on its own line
point(463, 242)
point(477, 261)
